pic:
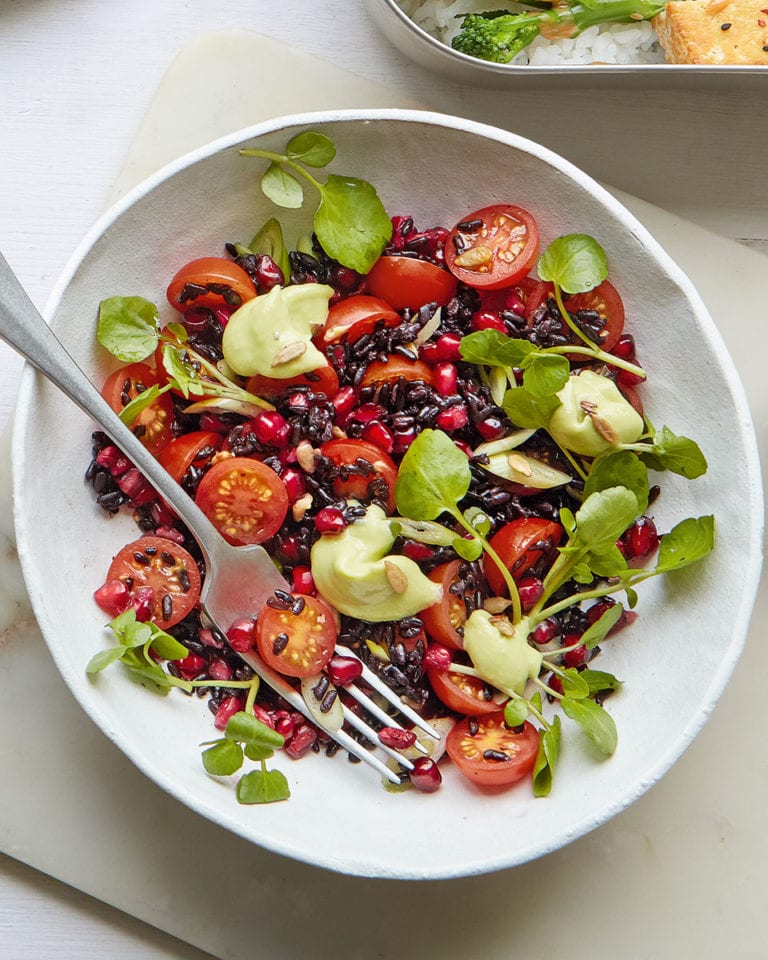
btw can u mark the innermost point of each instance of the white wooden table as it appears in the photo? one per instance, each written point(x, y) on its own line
point(76, 78)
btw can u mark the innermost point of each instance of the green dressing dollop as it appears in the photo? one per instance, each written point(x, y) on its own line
point(593, 416)
point(505, 661)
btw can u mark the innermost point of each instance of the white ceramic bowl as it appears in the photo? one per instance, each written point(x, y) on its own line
point(675, 660)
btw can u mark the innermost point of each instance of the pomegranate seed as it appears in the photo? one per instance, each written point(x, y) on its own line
point(417, 551)
point(222, 314)
point(452, 418)
point(191, 666)
point(530, 590)
point(330, 520)
point(264, 716)
point(209, 639)
point(425, 775)
point(624, 347)
point(161, 514)
point(545, 632)
point(437, 658)
point(301, 742)
point(267, 274)
point(271, 428)
point(290, 547)
point(285, 723)
point(143, 602)
point(344, 401)
point(403, 440)
point(445, 377)
point(344, 670)
point(554, 683)
point(640, 540)
point(491, 428)
point(227, 709)
point(113, 598)
point(295, 485)
point(132, 483)
point(298, 401)
point(219, 669)
point(241, 636)
point(376, 432)
point(302, 580)
point(396, 738)
point(367, 412)
point(514, 302)
point(628, 379)
point(579, 654)
point(114, 460)
point(486, 320)
point(444, 349)
point(170, 533)
point(598, 609)
point(345, 279)
point(196, 319)
point(464, 447)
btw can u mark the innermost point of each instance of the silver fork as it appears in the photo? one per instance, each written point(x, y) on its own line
point(238, 580)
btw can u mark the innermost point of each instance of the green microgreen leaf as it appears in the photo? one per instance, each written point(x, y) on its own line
point(246, 729)
point(139, 404)
point(434, 476)
point(515, 712)
point(223, 759)
point(576, 263)
point(600, 681)
point(574, 687)
point(103, 659)
point(679, 455)
point(620, 468)
point(128, 327)
point(546, 758)
point(351, 223)
point(312, 148)
point(269, 240)
point(527, 410)
point(691, 540)
point(599, 630)
point(263, 786)
point(603, 517)
point(469, 550)
point(282, 188)
point(479, 520)
point(596, 723)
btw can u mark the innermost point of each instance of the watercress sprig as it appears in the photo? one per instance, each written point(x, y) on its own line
point(350, 221)
point(247, 737)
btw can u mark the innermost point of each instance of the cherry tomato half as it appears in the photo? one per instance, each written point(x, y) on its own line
point(244, 499)
point(493, 247)
point(344, 453)
point(167, 568)
point(408, 282)
point(153, 425)
point(210, 282)
point(297, 644)
point(461, 693)
point(520, 544)
point(355, 316)
point(179, 455)
point(394, 367)
point(515, 752)
point(322, 380)
point(606, 301)
point(442, 620)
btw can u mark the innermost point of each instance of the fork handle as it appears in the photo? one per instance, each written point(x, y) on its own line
point(24, 329)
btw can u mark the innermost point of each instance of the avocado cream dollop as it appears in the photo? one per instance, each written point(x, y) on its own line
point(504, 659)
point(272, 334)
point(593, 416)
point(354, 572)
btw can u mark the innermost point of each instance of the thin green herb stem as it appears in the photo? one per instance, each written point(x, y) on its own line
point(548, 690)
point(251, 698)
point(531, 709)
point(574, 463)
point(514, 596)
point(596, 594)
point(281, 159)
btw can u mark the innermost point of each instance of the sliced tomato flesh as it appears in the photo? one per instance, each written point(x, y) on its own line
point(296, 637)
point(461, 693)
point(493, 247)
point(444, 619)
point(491, 754)
point(245, 500)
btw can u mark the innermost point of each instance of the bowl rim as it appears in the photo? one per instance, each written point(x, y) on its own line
point(750, 582)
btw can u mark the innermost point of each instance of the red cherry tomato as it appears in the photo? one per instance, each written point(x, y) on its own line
point(343, 453)
point(405, 282)
point(469, 752)
point(355, 316)
point(179, 455)
point(167, 568)
point(244, 499)
point(322, 380)
point(461, 693)
point(493, 247)
point(153, 425)
point(210, 282)
point(606, 301)
point(520, 544)
point(442, 620)
point(394, 367)
point(297, 644)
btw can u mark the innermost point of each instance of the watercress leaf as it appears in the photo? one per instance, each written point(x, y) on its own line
point(568, 521)
point(255, 751)
point(183, 375)
point(151, 678)
point(546, 759)
point(594, 721)
point(434, 476)
point(137, 634)
point(269, 241)
point(689, 541)
point(545, 374)
point(599, 680)
point(282, 188)
point(599, 630)
point(527, 410)
point(679, 455)
point(263, 786)
point(632, 597)
point(245, 728)
point(223, 759)
point(575, 262)
point(573, 686)
point(425, 531)
point(479, 520)
point(612, 563)
point(122, 621)
point(535, 701)
point(140, 403)
point(619, 468)
point(515, 712)
point(104, 658)
point(492, 348)
point(351, 223)
point(469, 550)
point(312, 148)
point(168, 647)
point(582, 572)
point(128, 327)
point(604, 516)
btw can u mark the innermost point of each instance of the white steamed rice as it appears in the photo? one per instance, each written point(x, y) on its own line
point(609, 43)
